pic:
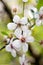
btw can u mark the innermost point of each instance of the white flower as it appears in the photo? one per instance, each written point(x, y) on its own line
point(29, 11)
point(13, 47)
point(24, 38)
point(23, 60)
point(18, 24)
point(9, 48)
point(39, 19)
point(25, 0)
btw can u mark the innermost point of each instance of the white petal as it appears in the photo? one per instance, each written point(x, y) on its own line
point(8, 48)
point(29, 14)
point(34, 9)
point(41, 10)
point(25, 47)
point(38, 22)
point(11, 26)
point(17, 44)
point(24, 20)
point(13, 52)
point(29, 39)
point(24, 27)
point(16, 19)
point(28, 25)
point(26, 32)
point(18, 32)
point(36, 15)
point(22, 59)
point(11, 40)
point(29, 32)
point(25, 0)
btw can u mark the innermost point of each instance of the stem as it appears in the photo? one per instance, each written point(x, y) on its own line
point(7, 10)
point(23, 7)
point(5, 45)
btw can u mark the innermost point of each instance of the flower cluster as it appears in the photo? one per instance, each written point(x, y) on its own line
point(22, 33)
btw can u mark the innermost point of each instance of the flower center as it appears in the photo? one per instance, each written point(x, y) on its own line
point(22, 39)
point(41, 16)
point(15, 10)
point(19, 24)
point(11, 46)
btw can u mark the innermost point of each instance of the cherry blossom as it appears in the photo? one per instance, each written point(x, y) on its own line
point(18, 24)
point(39, 19)
point(13, 47)
point(23, 60)
point(30, 11)
point(24, 39)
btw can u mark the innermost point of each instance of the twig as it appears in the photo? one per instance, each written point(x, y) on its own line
point(7, 10)
point(6, 44)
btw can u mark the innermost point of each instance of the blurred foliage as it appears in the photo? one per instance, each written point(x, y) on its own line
point(40, 3)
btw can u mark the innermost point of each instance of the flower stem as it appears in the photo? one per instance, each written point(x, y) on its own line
point(23, 7)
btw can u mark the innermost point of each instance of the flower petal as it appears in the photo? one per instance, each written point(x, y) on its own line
point(8, 48)
point(28, 13)
point(38, 22)
point(41, 10)
point(24, 20)
point(16, 44)
point(25, 47)
point(18, 32)
point(29, 39)
point(16, 19)
point(22, 59)
point(33, 9)
point(24, 27)
point(11, 26)
point(26, 32)
point(13, 52)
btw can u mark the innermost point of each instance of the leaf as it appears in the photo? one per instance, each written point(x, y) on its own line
point(4, 33)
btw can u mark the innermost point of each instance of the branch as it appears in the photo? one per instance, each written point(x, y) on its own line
point(7, 10)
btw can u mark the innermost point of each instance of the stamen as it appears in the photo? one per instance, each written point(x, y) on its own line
point(22, 39)
point(19, 24)
point(11, 46)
